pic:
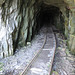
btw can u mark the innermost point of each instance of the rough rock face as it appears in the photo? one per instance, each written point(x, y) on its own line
point(70, 28)
point(72, 36)
point(1, 2)
point(18, 22)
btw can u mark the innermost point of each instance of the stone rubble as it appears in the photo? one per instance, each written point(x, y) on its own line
point(63, 60)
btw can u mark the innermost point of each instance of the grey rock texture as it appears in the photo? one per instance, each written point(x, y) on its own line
point(16, 24)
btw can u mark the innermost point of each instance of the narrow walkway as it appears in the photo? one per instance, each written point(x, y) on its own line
point(43, 63)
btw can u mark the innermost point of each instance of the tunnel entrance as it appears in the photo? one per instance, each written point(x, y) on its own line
point(20, 20)
point(49, 16)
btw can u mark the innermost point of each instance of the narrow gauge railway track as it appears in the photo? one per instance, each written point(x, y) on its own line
point(41, 63)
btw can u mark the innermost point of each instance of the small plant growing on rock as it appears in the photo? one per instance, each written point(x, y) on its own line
point(54, 73)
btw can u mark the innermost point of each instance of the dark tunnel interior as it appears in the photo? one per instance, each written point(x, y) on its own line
point(47, 16)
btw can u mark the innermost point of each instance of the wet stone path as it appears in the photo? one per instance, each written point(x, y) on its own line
point(43, 63)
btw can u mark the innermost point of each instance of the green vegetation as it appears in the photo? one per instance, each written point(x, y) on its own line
point(54, 73)
point(1, 66)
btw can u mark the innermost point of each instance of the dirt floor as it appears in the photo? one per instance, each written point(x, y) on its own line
point(64, 62)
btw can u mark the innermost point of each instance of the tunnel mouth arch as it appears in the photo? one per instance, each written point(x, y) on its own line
point(50, 15)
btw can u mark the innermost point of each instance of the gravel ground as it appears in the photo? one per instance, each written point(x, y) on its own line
point(43, 63)
point(15, 64)
point(64, 62)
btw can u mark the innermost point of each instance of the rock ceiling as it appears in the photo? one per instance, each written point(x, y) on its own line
point(57, 3)
point(53, 1)
point(60, 3)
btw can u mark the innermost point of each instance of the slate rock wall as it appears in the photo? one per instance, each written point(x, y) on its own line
point(17, 22)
